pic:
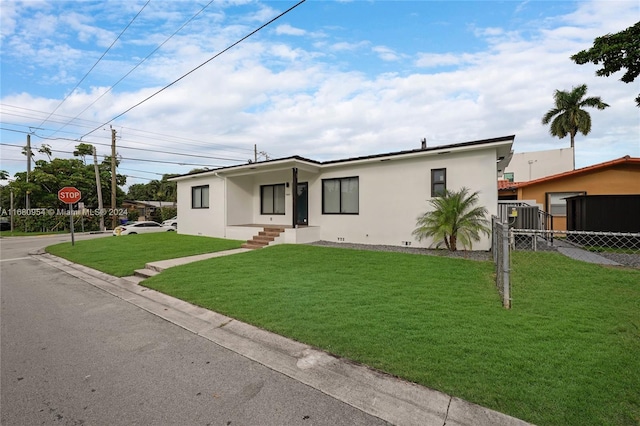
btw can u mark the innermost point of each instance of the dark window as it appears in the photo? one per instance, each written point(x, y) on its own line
point(200, 197)
point(272, 199)
point(340, 196)
point(438, 182)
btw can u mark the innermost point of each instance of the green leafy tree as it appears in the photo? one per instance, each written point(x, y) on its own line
point(454, 219)
point(615, 52)
point(155, 190)
point(568, 116)
point(82, 150)
point(138, 192)
point(46, 150)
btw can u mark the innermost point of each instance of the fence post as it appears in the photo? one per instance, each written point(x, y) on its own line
point(506, 260)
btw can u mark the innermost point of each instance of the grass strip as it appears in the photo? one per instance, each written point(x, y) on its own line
point(121, 256)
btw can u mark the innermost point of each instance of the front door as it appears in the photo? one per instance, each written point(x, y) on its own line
point(302, 203)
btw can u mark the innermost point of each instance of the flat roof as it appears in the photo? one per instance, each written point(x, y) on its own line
point(298, 160)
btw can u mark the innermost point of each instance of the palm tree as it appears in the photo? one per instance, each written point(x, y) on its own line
point(455, 218)
point(568, 116)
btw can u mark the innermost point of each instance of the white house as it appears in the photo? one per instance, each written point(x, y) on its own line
point(369, 200)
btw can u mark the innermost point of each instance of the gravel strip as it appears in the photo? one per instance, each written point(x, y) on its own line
point(462, 254)
point(632, 260)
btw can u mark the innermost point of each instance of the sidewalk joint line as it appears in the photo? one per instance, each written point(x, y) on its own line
point(446, 415)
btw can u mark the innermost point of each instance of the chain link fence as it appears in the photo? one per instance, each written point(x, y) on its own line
point(603, 248)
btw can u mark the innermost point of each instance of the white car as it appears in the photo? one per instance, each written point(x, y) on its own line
point(171, 222)
point(143, 227)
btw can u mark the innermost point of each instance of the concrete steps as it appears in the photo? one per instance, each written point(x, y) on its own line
point(145, 273)
point(264, 238)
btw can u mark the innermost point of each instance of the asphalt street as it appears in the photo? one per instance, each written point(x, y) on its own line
point(72, 354)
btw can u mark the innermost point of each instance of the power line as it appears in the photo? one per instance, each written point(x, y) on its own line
point(94, 65)
point(141, 171)
point(198, 67)
point(165, 137)
point(135, 67)
point(157, 151)
point(127, 158)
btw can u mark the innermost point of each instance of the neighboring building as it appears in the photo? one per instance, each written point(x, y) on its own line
point(616, 177)
point(146, 209)
point(526, 166)
point(371, 200)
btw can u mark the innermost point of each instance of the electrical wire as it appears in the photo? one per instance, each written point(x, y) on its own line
point(181, 163)
point(134, 68)
point(157, 151)
point(164, 137)
point(94, 65)
point(198, 67)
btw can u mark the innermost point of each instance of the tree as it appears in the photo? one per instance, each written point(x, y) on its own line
point(455, 218)
point(45, 149)
point(568, 116)
point(82, 150)
point(26, 151)
point(155, 190)
point(615, 52)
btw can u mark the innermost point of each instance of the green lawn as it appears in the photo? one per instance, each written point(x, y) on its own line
point(568, 353)
point(120, 256)
point(17, 233)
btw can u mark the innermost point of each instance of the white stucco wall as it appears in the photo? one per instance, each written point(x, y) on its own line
point(205, 221)
point(537, 164)
point(394, 193)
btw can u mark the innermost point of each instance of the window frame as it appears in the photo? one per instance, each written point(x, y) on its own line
point(566, 194)
point(273, 206)
point(435, 193)
point(196, 195)
point(340, 200)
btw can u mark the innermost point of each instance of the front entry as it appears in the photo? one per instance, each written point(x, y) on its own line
point(302, 203)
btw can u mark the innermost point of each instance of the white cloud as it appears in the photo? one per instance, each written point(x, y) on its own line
point(287, 29)
point(386, 53)
point(290, 100)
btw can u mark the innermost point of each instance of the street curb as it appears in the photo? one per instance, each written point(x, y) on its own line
point(384, 396)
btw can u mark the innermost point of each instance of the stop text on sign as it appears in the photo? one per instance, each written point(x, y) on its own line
point(69, 195)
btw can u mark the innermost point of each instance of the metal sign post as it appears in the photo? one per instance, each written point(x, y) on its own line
point(73, 242)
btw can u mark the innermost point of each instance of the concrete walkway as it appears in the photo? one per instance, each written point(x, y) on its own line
point(153, 268)
point(389, 398)
point(586, 256)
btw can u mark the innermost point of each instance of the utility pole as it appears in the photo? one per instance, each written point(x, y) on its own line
point(255, 153)
point(27, 201)
point(114, 218)
point(12, 210)
point(98, 189)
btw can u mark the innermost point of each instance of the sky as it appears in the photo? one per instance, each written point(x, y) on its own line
point(192, 84)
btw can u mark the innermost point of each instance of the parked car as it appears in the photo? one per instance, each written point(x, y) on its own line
point(171, 222)
point(143, 227)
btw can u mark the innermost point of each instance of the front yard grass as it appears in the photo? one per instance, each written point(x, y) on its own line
point(568, 353)
point(121, 256)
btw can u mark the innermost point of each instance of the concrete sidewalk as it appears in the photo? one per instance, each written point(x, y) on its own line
point(389, 398)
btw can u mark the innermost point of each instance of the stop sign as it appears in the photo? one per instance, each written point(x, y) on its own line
point(69, 195)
